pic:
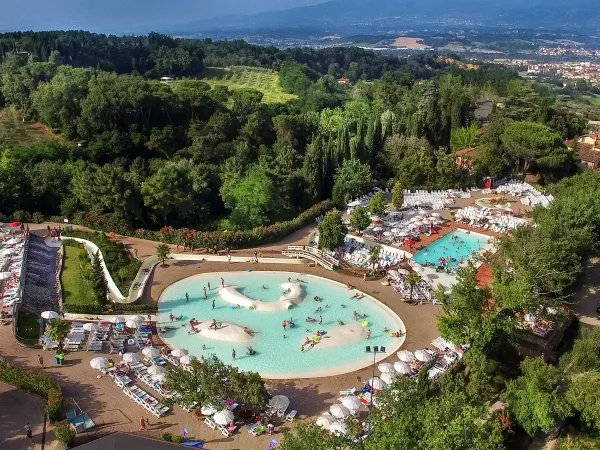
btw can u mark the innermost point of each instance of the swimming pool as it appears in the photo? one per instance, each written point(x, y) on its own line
point(341, 350)
point(457, 245)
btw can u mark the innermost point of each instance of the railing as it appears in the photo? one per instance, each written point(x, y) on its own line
point(318, 256)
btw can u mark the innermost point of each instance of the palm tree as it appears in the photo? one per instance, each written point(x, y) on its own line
point(58, 330)
point(412, 280)
point(374, 253)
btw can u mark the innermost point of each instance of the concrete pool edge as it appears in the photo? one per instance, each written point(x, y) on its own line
point(333, 371)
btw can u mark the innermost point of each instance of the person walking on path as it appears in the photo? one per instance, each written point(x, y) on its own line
point(229, 259)
point(142, 424)
point(135, 252)
point(29, 431)
point(41, 360)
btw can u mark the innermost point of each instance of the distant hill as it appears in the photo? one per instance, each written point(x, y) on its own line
point(547, 14)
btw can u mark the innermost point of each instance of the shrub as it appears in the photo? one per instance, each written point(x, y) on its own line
point(65, 434)
point(178, 439)
point(35, 382)
point(94, 308)
point(37, 217)
point(167, 437)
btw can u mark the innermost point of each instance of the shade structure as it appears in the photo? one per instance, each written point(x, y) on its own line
point(179, 352)
point(187, 359)
point(208, 410)
point(76, 325)
point(15, 224)
point(76, 336)
point(325, 420)
point(403, 272)
point(415, 219)
point(386, 368)
point(5, 275)
point(352, 403)
point(387, 233)
point(132, 324)
point(377, 229)
point(13, 241)
point(423, 356)
point(436, 215)
point(117, 319)
point(403, 233)
point(132, 358)
point(339, 428)
point(393, 273)
point(49, 315)
point(223, 417)
point(99, 363)
point(339, 411)
point(405, 355)
point(396, 230)
point(152, 352)
point(389, 378)
point(90, 326)
point(159, 378)
point(137, 318)
point(402, 367)
point(377, 383)
point(156, 370)
point(279, 402)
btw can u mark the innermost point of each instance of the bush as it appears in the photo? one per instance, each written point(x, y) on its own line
point(167, 437)
point(65, 434)
point(94, 308)
point(35, 382)
point(178, 439)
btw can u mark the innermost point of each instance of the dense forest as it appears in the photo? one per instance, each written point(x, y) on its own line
point(143, 153)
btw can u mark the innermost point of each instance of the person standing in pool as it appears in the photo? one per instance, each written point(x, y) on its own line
point(320, 320)
point(213, 304)
point(233, 354)
point(209, 285)
point(222, 282)
point(284, 324)
point(205, 292)
point(187, 297)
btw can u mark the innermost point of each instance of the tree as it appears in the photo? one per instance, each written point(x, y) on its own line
point(464, 137)
point(378, 205)
point(99, 284)
point(253, 200)
point(412, 279)
point(534, 399)
point(306, 436)
point(398, 195)
point(332, 231)
point(583, 395)
point(360, 220)
point(351, 180)
point(162, 252)
point(374, 252)
point(585, 355)
point(57, 330)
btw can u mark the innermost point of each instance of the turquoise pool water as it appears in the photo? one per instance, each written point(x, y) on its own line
point(278, 357)
point(455, 245)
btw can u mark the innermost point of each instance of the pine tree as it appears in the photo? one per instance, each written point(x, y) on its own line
point(99, 283)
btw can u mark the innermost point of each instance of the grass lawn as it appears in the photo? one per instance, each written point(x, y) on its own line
point(263, 80)
point(28, 325)
point(75, 288)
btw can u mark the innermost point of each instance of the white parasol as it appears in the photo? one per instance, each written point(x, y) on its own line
point(423, 356)
point(377, 229)
point(179, 352)
point(159, 378)
point(152, 352)
point(405, 355)
point(325, 420)
point(117, 319)
point(187, 359)
point(389, 377)
point(131, 358)
point(5, 275)
point(208, 410)
point(352, 403)
point(338, 428)
point(386, 368)
point(339, 411)
point(99, 363)
point(90, 326)
point(279, 402)
point(396, 231)
point(49, 315)
point(403, 272)
point(377, 383)
point(156, 370)
point(402, 367)
point(137, 318)
point(132, 324)
point(223, 417)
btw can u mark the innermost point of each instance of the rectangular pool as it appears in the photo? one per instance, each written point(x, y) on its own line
point(456, 245)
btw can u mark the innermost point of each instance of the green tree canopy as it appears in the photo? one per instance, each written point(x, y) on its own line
point(360, 220)
point(378, 205)
point(352, 180)
point(332, 231)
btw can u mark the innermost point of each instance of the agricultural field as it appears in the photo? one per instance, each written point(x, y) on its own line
point(13, 131)
point(262, 80)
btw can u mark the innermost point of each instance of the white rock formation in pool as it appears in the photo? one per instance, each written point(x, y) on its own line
point(338, 336)
point(227, 332)
point(294, 295)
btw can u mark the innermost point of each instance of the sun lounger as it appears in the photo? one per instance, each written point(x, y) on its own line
point(210, 423)
point(348, 392)
point(291, 416)
point(224, 431)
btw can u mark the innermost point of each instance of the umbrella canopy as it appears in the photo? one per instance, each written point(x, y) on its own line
point(377, 383)
point(137, 318)
point(386, 368)
point(13, 241)
point(132, 324)
point(352, 403)
point(159, 378)
point(389, 377)
point(99, 363)
point(393, 273)
point(377, 229)
point(387, 233)
point(179, 352)
point(208, 410)
point(223, 417)
point(396, 230)
point(90, 326)
point(403, 233)
point(117, 319)
point(131, 358)
point(5, 275)
point(402, 367)
point(49, 315)
point(338, 428)
point(75, 336)
point(156, 370)
point(325, 420)
point(339, 411)
point(405, 355)
point(187, 359)
point(403, 272)
point(152, 352)
point(436, 215)
point(423, 356)
point(76, 325)
point(15, 224)
point(279, 402)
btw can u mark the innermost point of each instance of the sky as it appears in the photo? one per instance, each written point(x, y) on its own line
point(125, 16)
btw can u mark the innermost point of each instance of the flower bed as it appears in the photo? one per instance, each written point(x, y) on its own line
point(35, 382)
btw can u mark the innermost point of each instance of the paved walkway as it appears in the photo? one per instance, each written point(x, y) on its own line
point(17, 408)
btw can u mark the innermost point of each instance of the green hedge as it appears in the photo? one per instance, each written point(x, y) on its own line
point(218, 240)
point(94, 308)
point(36, 382)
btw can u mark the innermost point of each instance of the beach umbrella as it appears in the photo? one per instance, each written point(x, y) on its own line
point(338, 428)
point(377, 383)
point(389, 377)
point(5, 275)
point(386, 368)
point(223, 417)
point(403, 233)
point(403, 272)
point(131, 358)
point(132, 324)
point(187, 359)
point(156, 370)
point(339, 411)
point(159, 378)
point(75, 336)
point(402, 367)
point(13, 241)
point(436, 215)
point(375, 219)
point(396, 231)
point(49, 315)
point(423, 356)
point(387, 233)
point(352, 403)
point(405, 355)
point(137, 318)
point(393, 273)
point(76, 325)
point(99, 363)
point(90, 326)
point(117, 319)
point(279, 402)
point(179, 352)
point(377, 229)
point(152, 352)
point(15, 224)
point(415, 219)
point(208, 410)
point(325, 420)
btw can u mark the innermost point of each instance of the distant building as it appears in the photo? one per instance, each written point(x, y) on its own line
point(589, 150)
point(343, 80)
point(167, 79)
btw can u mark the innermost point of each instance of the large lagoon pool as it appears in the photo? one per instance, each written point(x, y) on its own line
point(457, 245)
point(251, 310)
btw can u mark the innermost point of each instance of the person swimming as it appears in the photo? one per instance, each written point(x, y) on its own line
point(310, 319)
point(340, 323)
point(264, 287)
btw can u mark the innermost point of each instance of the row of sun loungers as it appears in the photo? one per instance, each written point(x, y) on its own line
point(145, 400)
